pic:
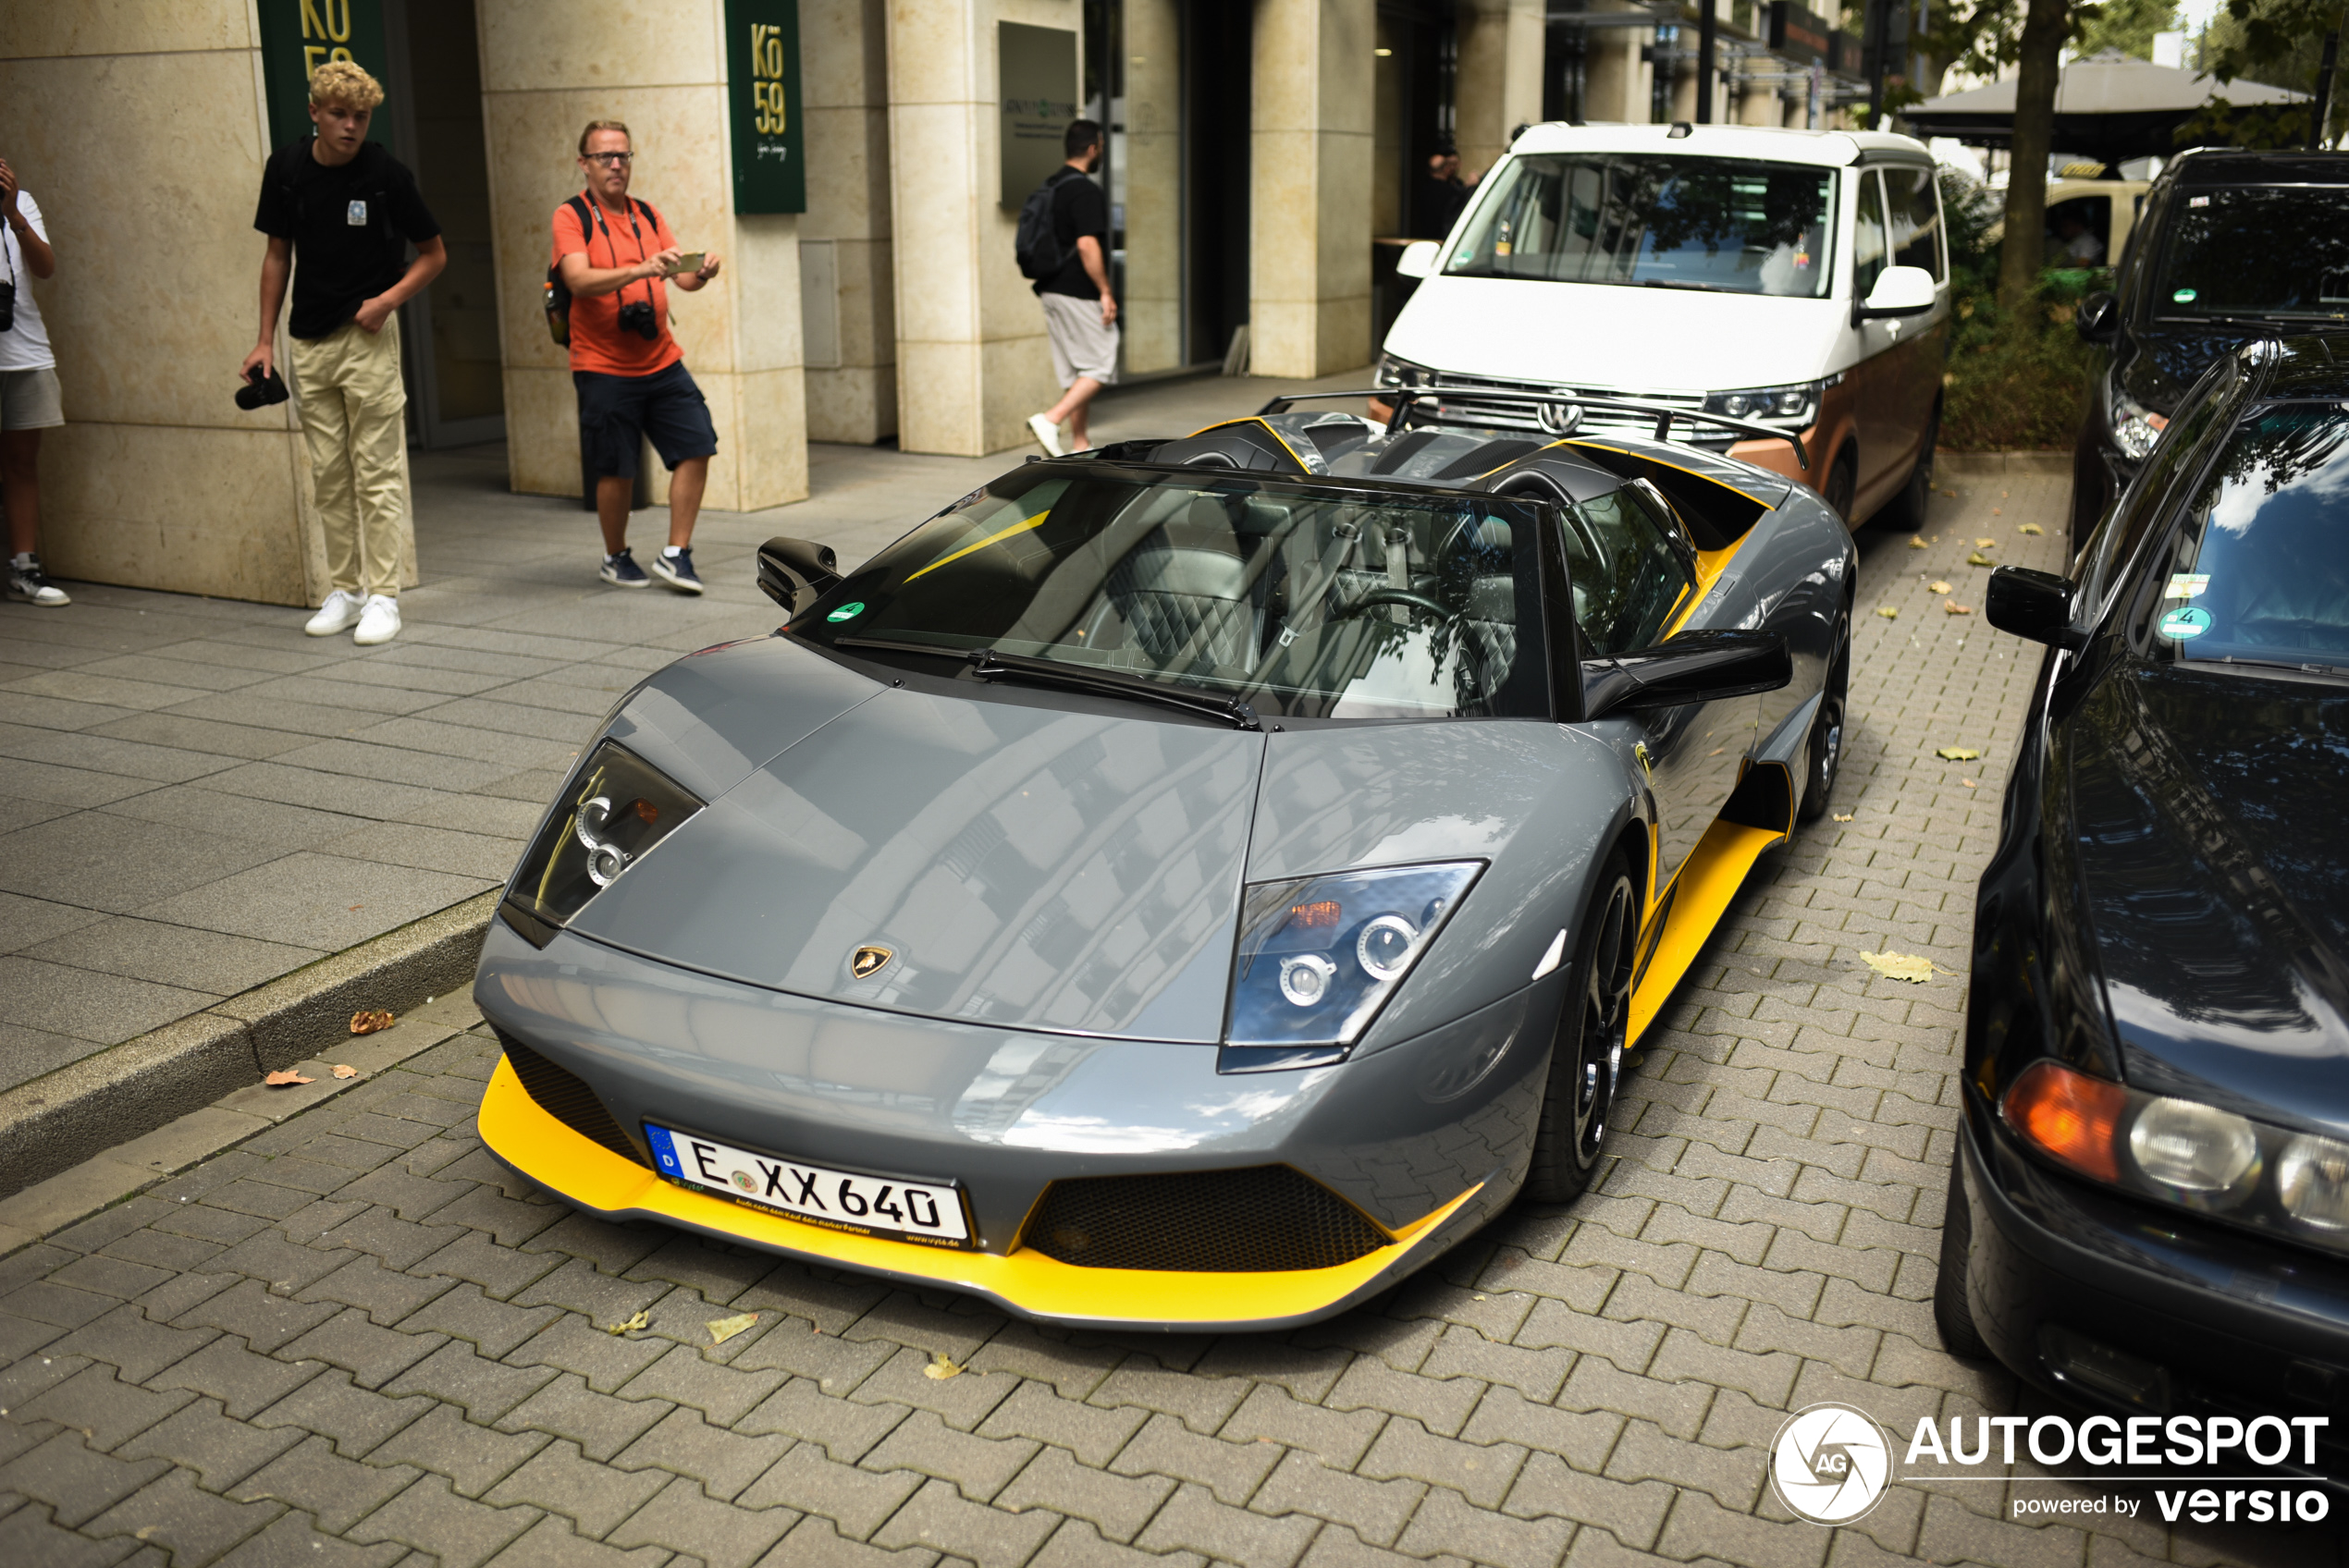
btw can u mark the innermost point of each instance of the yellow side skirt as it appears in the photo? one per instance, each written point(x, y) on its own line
point(1709, 878)
point(534, 1142)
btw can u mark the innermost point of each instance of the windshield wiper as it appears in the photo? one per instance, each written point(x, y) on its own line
point(1680, 283)
point(988, 664)
point(2297, 667)
point(890, 646)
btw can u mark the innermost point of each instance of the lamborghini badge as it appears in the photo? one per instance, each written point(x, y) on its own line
point(869, 961)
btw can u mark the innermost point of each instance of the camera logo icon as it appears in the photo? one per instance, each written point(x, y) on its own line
point(1830, 1463)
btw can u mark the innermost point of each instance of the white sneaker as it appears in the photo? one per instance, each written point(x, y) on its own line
point(1048, 435)
point(339, 613)
point(379, 622)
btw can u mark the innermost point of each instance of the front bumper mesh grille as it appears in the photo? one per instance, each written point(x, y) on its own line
point(1261, 1219)
point(565, 1096)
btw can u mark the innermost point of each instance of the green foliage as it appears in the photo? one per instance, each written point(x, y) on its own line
point(2126, 25)
point(2016, 379)
point(2281, 43)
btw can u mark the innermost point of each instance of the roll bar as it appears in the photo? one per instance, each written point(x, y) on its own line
point(1403, 396)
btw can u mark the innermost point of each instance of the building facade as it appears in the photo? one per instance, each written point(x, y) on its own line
point(1265, 163)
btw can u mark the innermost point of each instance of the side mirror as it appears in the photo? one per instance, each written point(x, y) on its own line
point(1418, 259)
point(1898, 291)
point(2036, 604)
point(781, 560)
point(1696, 666)
point(2099, 317)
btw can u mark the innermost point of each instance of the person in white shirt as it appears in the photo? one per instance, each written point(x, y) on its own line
point(29, 402)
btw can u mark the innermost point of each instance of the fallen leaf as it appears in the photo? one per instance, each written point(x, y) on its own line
point(370, 1021)
point(724, 1329)
point(1957, 753)
point(1978, 559)
point(642, 1320)
point(356, 908)
point(1899, 966)
point(286, 1078)
point(1716, 750)
point(2028, 528)
point(344, 1070)
point(1953, 607)
point(1915, 542)
point(1843, 816)
point(1936, 586)
point(1985, 544)
point(1951, 493)
point(1967, 782)
point(1888, 612)
point(940, 1369)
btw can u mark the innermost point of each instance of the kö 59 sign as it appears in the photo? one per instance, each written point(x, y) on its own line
point(762, 73)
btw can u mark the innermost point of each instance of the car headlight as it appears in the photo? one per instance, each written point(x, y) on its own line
point(2135, 428)
point(612, 813)
point(1797, 405)
point(2186, 1154)
point(1393, 372)
point(1318, 955)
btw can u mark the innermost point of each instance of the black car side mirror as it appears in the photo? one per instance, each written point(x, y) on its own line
point(2099, 317)
point(2036, 604)
point(781, 560)
point(1696, 666)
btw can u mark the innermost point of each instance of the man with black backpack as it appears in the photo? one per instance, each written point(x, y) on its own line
point(608, 300)
point(347, 210)
point(1063, 245)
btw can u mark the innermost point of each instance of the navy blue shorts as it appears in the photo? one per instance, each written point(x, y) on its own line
point(616, 413)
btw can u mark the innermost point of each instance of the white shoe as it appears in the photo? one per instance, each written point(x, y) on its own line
point(379, 622)
point(339, 613)
point(1048, 435)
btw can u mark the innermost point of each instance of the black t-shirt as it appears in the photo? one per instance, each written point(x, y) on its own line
point(1078, 209)
point(348, 225)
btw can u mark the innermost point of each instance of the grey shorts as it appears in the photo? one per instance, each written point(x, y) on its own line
point(1081, 345)
point(30, 399)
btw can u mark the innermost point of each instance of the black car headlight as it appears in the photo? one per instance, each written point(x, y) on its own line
point(1797, 405)
point(1395, 371)
point(612, 813)
point(1320, 955)
point(2185, 1153)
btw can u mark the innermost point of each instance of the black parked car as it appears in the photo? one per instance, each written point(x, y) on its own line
point(2150, 1209)
point(2232, 246)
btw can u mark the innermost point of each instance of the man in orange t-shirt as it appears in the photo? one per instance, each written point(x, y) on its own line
point(631, 375)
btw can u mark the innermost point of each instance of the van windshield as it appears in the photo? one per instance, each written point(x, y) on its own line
point(1740, 226)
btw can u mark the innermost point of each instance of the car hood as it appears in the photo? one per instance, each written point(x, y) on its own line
point(1614, 336)
point(2216, 869)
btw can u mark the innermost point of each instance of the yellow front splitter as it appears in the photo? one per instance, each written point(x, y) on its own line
point(521, 1132)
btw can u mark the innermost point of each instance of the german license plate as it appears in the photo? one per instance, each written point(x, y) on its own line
point(913, 1211)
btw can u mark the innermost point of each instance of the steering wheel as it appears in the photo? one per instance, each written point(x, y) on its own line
point(1397, 596)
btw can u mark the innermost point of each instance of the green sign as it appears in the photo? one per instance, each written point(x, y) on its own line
point(297, 37)
point(769, 117)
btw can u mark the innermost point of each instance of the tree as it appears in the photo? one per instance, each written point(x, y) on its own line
point(2279, 42)
point(2128, 26)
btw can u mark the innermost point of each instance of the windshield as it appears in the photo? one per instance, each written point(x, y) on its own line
point(1301, 600)
point(1747, 226)
point(2259, 250)
point(2259, 571)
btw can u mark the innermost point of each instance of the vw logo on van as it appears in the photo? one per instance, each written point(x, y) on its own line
point(1563, 417)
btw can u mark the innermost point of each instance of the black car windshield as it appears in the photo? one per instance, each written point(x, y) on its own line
point(2256, 251)
point(1748, 226)
point(1305, 601)
point(2259, 571)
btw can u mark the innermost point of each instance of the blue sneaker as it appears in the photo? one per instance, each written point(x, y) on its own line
point(677, 571)
point(622, 571)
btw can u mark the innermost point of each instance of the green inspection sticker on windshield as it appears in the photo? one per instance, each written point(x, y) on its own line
point(848, 611)
point(2185, 624)
point(2188, 585)
point(2183, 296)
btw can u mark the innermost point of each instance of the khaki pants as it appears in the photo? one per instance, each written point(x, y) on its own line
point(347, 389)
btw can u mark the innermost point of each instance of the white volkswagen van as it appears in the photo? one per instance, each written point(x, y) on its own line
point(1795, 279)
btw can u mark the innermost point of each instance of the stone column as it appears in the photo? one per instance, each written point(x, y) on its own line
point(158, 479)
point(545, 73)
point(1309, 184)
point(848, 287)
point(972, 358)
point(1620, 83)
point(1499, 84)
point(1153, 186)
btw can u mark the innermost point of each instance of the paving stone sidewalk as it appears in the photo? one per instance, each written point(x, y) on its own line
point(196, 799)
point(356, 1339)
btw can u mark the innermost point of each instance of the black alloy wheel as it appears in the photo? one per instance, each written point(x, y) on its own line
point(1907, 511)
point(1586, 1062)
point(1843, 485)
point(1952, 1312)
point(1825, 752)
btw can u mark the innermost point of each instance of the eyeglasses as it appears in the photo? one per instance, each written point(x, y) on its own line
point(612, 160)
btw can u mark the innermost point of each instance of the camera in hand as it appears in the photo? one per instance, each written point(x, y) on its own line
point(7, 307)
point(257, 392)
point(639, 319)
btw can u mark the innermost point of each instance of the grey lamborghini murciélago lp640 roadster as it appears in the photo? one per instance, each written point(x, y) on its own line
point(1190, 884)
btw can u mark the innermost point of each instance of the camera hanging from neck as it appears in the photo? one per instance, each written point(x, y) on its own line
point(639, 318)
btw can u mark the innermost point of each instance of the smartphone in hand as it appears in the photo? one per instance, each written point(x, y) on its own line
point(690, 262)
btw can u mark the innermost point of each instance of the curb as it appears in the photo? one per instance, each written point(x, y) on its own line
point(1980, 465)
point(64, 1118)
